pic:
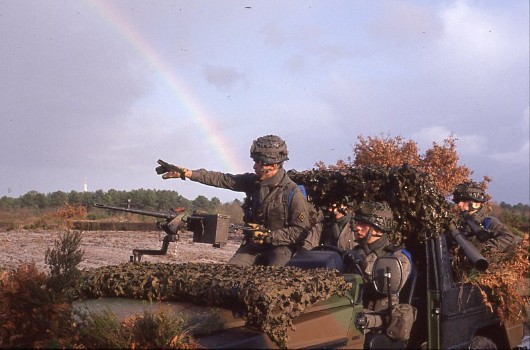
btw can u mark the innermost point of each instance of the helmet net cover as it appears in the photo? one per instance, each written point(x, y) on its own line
point(269, 149)
point(469, 191)
point(377, 214)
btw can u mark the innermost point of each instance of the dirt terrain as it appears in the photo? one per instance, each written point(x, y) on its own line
point(102, 248)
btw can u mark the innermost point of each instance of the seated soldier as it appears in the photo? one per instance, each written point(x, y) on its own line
point(334, 229)
point(372, 223)
point(492, 235)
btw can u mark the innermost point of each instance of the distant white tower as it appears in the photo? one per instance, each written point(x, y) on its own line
point(85, 188)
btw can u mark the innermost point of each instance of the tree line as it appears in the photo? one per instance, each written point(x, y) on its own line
point(441, 161)
point(147, 199)
point(517, 215)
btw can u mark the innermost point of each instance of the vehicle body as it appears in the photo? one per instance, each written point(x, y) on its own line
point(450, 315)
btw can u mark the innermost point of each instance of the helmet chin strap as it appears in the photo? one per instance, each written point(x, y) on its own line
point(368, 235)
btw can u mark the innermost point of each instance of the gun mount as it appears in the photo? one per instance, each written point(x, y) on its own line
point(206, 228)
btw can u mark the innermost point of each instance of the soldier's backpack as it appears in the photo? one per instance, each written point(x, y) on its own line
point(288, 194)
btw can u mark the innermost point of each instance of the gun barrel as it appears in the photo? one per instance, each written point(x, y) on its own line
point(155, 214)
point(476, 228)
point(470, 250)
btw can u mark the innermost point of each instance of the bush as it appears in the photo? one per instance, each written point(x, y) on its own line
point(63, 261)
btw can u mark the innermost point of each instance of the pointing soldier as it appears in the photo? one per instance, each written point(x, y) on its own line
point(274, 205)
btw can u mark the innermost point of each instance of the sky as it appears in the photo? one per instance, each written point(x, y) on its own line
point(95, 92)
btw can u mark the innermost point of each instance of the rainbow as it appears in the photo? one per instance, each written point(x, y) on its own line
point(178, 87)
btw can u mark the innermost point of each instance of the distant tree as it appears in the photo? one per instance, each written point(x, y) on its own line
point(385, 151)
point(441, 161)
point(34, 199)
point(233, 210)
point(75, 197)
point(99, 197)
point(8, 203)
point(201, 202)
point(57, 199)
point(215, 202)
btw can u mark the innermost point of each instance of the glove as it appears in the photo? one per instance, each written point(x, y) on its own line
point(354, 257)
point(258, 235)
point(170, 171)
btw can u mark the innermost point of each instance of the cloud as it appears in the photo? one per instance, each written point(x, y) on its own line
point(518, 156)
point(481, 37)
point(426, 136)
point(470, 144)
point(273, 35)
point(222, 77)
point(84, 99)
point(402, 23)
point(526, 118)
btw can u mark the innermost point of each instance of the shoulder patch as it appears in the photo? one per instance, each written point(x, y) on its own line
point(301, 217)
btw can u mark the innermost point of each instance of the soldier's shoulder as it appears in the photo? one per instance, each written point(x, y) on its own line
point(392, 248)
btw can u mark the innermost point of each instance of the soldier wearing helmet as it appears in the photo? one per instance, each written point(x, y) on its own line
point(278, 224)
point(371, 223)
point(334, 229)
point(486, 231)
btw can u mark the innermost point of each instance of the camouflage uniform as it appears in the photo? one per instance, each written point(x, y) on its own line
point(267, 207)
point(499, 237)
point(332, 232)
point(372, 300)
point(379, 216)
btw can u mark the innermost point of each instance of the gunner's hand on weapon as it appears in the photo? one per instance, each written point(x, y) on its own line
point(258, 235)
point(170, 171)
point(354, 257)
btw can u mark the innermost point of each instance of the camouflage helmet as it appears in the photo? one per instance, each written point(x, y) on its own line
point(269, 149)
point(469, 191)
point(377, 214)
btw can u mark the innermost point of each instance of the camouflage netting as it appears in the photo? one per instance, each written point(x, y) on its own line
point(504, 286)
point(268, 297)
point(421, 212)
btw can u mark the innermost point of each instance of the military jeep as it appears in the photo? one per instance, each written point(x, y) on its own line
point(450, 315)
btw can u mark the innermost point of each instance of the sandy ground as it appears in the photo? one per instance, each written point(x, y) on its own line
point(102, 248)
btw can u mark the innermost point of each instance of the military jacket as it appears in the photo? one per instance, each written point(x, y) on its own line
point(266, 202)
point(502, 238)
point(320, 234)
point(382, 247)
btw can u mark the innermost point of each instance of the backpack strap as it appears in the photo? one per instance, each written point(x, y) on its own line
point(288, 193)
point(409, 256)
point(291, 194)
point(486, 223)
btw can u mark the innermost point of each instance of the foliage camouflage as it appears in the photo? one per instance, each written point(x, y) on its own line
point(161, 329)
point(31, 314)
point(420, 211)
point(503, 284)
point(268, 297)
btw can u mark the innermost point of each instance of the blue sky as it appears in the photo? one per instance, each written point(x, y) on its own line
point(99, 90)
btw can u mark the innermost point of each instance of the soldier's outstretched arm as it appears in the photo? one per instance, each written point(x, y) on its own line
point(170, 171)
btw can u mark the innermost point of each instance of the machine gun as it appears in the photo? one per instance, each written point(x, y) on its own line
point(478, 261)
point(206, 228)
